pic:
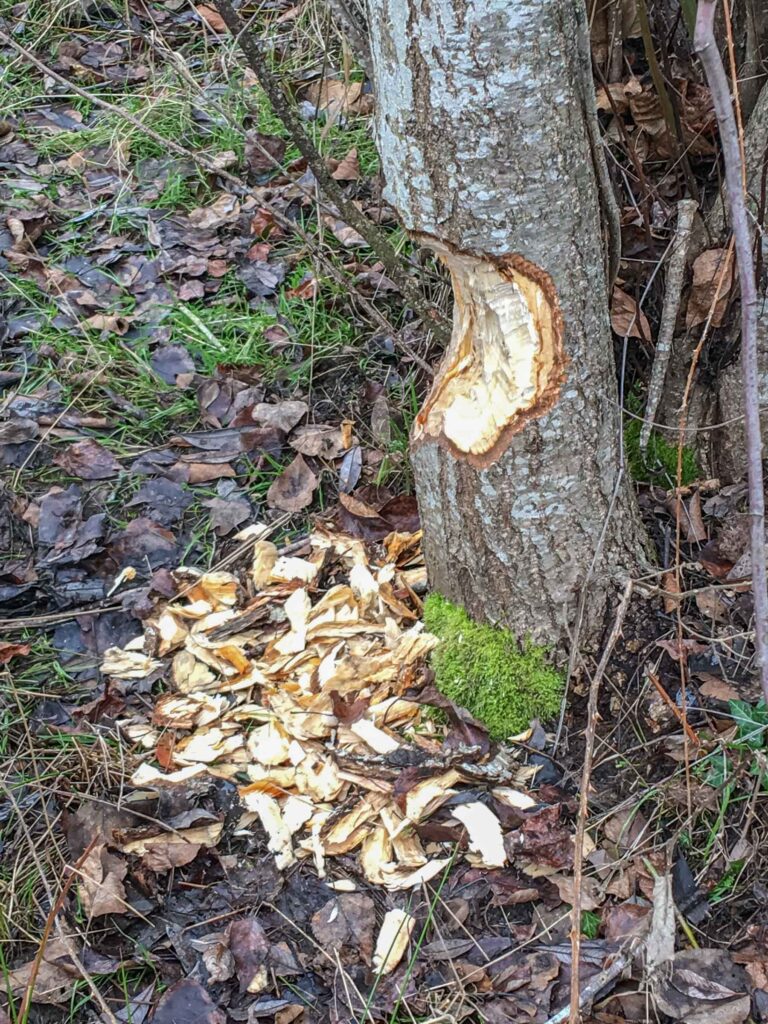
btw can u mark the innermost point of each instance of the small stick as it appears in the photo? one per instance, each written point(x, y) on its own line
point(59, 903)
point(581, 821)
point(596, 984)
point(686, 210)
point(676, 711)
point(254, 54)
point(706, 48)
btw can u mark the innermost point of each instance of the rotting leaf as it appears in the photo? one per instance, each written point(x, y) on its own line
point(347, 921)
point(263, 153)
point(704, 987)
point(294, 488)
point(189, 1002)
point(249, 946)
point(88, 460)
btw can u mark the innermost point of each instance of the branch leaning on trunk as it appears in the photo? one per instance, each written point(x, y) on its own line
point(706, 48)
point(686, 210)
point(351, 20)
point(378, 242)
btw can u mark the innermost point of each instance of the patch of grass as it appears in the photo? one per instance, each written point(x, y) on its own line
point(229, 330)
point(658, 464)
point(484, 669)
point(590, 924)
point(169, 112)
point(180, 193)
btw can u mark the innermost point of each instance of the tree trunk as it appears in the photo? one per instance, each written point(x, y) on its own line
point(484, 133)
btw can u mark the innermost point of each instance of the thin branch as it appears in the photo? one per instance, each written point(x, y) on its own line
point(608, 203)
point(706, 48)
point(351, 24)
point(616, 966)
point(686, 210)
point(581, 822)
point(258, 63)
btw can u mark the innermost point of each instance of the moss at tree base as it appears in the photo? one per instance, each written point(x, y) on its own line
point(484, 669)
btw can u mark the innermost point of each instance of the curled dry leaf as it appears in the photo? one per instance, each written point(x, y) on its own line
point(202, 835)
point(712, 275)
point(627, 319)
point(101, 886)
point(333, 96)
point(348, 168)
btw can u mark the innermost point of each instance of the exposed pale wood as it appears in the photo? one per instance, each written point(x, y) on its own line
point(484, 137)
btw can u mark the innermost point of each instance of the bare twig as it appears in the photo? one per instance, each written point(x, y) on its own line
point(686, 210)
point(581, 822)
point(349, 20)
point(616, 966)
point(252, 50)
point(610, 208)
point(52, 914)
point(706, 48)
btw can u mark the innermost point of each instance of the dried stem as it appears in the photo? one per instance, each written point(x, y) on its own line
point(577, 997)
point(257, 61)
point(616, 966)
point(348, 18)
point(686, 210)
point(706, 48)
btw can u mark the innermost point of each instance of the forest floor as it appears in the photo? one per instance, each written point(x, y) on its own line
point(206, 389)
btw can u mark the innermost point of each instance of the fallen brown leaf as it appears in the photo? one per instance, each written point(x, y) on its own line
point(249, 946)
point(292, 491)
point(627, 319)
point(89, 460)
point(347, 921)
point(708, 268)
point(211, 17)
point(189, 1002)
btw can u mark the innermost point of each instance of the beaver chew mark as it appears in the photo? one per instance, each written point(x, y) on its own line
point(504, 364)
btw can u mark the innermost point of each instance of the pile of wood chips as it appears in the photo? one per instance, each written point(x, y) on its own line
point(289, 680)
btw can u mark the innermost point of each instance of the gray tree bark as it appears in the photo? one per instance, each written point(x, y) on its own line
point(484, 135)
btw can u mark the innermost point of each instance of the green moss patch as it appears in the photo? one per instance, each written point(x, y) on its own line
point(484, 669)
point(658, 463)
